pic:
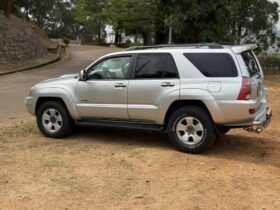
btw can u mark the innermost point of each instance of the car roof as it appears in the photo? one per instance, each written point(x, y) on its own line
point(235, 48)
point(210, 47)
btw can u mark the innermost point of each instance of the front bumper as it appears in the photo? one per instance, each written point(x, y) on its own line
point(30, 103)
point(261, 122)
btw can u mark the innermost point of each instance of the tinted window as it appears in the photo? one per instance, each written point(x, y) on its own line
point(250, 63)
point(149, 66)
point(213, 64)
point(170, 68)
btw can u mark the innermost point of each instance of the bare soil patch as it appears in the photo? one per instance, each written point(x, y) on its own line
point(101, 168)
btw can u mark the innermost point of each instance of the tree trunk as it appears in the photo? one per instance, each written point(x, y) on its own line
point(170, 35)
point(159, 36)
point(194, 39)
point(239, 31)
point(7, 7)
point(99, 30)
point(120, 38)
point(116, 37)
point(145, 38)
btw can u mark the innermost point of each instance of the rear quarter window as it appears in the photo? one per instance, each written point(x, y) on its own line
point(251, 63)
point(213, 64)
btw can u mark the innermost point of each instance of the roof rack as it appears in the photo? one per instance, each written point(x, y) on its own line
point(197, 45)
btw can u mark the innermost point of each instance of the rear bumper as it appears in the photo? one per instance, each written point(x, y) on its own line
point(261, 121)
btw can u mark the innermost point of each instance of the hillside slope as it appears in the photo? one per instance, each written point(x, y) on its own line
point(21, 42)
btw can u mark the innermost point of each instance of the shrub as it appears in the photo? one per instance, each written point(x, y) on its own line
point(270, 63)
point(129, 44)
point(66, 41)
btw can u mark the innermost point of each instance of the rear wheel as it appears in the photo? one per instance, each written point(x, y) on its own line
point(191, 129)
point(53, 120)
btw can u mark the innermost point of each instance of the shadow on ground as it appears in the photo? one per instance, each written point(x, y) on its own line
point(236, 147)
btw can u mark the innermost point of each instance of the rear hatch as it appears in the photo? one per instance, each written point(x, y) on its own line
point(253, 69)
point(256, 75)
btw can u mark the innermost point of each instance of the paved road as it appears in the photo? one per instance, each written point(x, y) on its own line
point(14, 87)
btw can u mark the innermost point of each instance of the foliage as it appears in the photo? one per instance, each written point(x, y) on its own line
point(133, 17)
point(270, 64)
point(55, 17)
point(235, 21)
point(93, 15)
point(66, 41)
point(253, 21)
point(129, 44)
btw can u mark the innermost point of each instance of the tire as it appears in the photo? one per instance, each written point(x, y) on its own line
point(191, 129)
point(53, 120)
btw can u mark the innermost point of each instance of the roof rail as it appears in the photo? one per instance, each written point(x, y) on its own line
point(197, 45)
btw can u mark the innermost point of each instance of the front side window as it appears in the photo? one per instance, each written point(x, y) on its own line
point(111, 68)
point(213, 64)
point(250, 63)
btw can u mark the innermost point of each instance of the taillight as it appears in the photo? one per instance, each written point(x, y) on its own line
point(246, 90)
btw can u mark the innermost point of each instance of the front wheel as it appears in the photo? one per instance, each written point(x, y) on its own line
point(191, 129)
point(53, 120)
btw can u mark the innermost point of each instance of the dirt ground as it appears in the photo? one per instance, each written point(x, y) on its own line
point(98, 168)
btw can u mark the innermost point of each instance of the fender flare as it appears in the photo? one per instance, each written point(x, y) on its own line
point(63, 94)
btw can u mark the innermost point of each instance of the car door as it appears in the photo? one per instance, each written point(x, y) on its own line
point(154, 84)
point(104, 93)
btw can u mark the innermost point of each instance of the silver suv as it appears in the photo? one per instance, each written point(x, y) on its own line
point(194, 92)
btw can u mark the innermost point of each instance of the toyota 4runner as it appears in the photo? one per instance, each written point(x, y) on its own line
point(194, 92)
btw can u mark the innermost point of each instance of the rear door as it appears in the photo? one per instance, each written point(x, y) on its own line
point(154, 78)
point(255, 74)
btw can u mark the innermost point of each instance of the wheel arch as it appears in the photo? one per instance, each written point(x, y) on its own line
point(182, 103)
point(44, 99)
point(69, 107)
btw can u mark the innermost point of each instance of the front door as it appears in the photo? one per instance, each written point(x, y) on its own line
point(104, 93)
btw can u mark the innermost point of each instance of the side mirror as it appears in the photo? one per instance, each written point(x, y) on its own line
point(82, 75)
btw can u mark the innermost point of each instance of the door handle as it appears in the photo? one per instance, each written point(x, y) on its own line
point(120, 85)
point(167, 84)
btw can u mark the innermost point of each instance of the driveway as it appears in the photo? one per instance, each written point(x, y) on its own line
point(15, 87)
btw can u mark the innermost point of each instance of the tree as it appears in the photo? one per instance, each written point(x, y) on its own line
point(62, 21)
point(35, 11)
point(93, 15)
point(235, 21)
point(134, 17)
point(253, 21)
point(7, 7)
point(55, 17)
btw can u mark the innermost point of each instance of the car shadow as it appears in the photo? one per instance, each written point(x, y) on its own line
point(250, 149)
point(258, 150)
point(132, 137)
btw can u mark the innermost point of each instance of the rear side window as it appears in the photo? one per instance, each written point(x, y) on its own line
point(250, 63)
point(170, 68)
point(155, 66)
point(149, 66)
point(213, 64)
